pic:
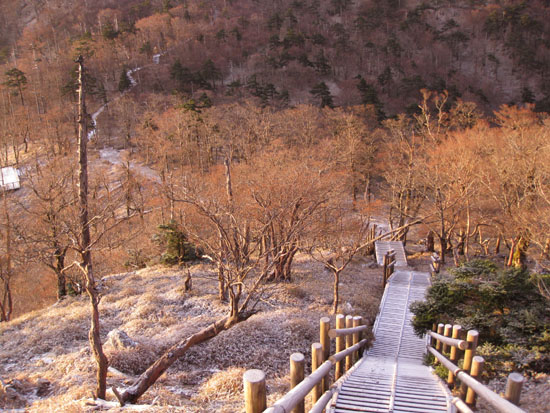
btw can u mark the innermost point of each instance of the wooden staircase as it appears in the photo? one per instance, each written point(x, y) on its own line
point(392, 376)
point(382, 247)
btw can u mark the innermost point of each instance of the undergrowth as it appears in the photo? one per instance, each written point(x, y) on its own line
point(504, 305)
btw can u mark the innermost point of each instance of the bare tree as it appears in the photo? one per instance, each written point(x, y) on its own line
point(218, 219)
point(336, 240)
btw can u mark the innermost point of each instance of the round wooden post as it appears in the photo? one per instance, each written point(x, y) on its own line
point(469, 354)
point(447, 333)
point(316, 361)
point(254, 391)
point(297, 363)
point(477, 367)
point(349, 342)
point(357, 321)
point(324, 339)
point(384, 269)
point(454, 355)
point(340, 345)
point(440, 330)
point(434, 329)
point(513, 388)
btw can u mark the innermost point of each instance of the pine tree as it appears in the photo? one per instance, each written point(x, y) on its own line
point(124, 82)
point(321, 91)
point(369, 96)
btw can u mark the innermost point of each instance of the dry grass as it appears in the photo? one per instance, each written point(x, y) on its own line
point(150, 306)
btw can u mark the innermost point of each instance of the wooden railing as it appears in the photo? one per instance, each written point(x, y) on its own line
point(448, 340)
point(389, 266)
point(348, 344)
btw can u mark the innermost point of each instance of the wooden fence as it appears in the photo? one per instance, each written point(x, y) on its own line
point(389, 266)
point(448, 340)
point(349, 344)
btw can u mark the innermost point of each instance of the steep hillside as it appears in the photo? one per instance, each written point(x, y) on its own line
point(46, 364)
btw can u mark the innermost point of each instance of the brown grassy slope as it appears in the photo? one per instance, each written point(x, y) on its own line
point(45, 356)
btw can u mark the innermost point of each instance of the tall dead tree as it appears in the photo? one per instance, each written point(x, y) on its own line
point(6, 273)
point(85, 263)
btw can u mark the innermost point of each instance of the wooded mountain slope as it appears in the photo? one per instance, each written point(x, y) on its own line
point(491, 52)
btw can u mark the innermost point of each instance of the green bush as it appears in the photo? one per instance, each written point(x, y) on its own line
point(177, 248)
point(504, 305)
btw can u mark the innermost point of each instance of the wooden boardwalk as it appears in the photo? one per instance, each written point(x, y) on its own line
point(382, 247)
point(391, 376)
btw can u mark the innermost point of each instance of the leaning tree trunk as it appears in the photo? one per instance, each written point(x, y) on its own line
point(150, 376)
point(85, 241)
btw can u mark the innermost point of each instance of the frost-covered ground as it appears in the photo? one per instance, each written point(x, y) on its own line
point(46, 365)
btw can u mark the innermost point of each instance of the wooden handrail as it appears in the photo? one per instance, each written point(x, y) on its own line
point(502, 405)
point(349, 349)
point(461, 344)
point(321, 404)
point(461, 406)
point(298, 393)
point(338, 332)
point(341, 355)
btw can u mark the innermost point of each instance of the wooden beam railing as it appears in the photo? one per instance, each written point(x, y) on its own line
point(349, 343)
point(471, 370)
point(389, 266)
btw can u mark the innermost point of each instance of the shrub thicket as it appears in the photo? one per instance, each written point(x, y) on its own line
point(504, 305)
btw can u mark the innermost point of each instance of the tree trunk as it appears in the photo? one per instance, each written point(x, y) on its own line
point(511, 255)
point(7, 302)
point(443, 248)
point(336, 294)
point(497, 245)
point(61, 279)
point(150, 376)
point(461, 241)
point(520, 253)
point(430, 244)
point(222, 289)
point(85, 253)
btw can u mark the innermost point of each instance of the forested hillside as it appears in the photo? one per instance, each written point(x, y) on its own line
point(244, 138)
point(183, 86)
point(490, 52)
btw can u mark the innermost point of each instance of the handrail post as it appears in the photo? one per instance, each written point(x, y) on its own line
point(385, 260)
point(349, 342)
point(447, 333)
point(357, 321)
point(513, 388)
point(325, 344)
point(316, 361)
point(297, 363)
point(430, 339)
point(340, 344)
point(457, 329)
point(440, 329)
point(469, 354)
point(254, 391)
point(438, 343)
point(477, 367)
